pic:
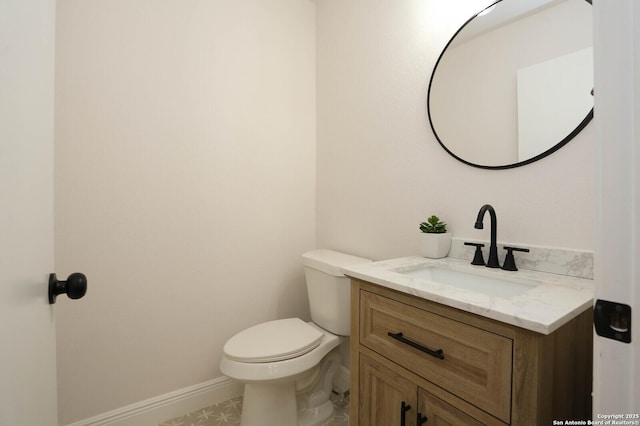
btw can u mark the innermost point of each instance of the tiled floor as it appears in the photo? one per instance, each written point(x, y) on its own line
point(227, 413)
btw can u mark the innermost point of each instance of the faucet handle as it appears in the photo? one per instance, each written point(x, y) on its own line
point(477, 257)
point(509, 260)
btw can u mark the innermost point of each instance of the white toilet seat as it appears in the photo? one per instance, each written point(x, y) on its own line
point(253, 372)
point(272, 341)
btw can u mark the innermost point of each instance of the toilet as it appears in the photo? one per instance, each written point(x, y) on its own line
point(287, 365)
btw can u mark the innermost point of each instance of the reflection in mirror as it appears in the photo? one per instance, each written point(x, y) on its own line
point(514, 84)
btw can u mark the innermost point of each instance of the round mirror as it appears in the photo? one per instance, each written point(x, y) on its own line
point(514, 83)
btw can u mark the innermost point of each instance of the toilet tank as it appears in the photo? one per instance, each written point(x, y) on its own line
point(329, 290)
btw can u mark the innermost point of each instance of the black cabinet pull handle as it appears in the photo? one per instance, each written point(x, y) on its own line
point(420, 419)
point(398, 336)
point(403, 411)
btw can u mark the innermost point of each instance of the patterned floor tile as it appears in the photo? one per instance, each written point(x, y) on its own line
point(227, 413)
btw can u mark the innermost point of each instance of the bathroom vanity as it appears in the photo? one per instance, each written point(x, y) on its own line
point(426, 352)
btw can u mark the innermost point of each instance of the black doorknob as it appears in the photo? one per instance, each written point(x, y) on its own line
point(75, 286)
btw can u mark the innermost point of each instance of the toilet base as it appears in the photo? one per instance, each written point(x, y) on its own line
point(302, 401)
point(276, 405)
point(269, 405)
point(316, 416)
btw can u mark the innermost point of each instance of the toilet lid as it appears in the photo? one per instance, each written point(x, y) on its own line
point(273, 341)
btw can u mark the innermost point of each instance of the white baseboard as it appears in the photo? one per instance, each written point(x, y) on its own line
point(165, 407)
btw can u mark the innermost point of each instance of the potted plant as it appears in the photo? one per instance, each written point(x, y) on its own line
point(435, 241)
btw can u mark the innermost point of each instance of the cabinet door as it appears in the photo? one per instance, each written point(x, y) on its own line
point(438, 412)
point(386, 398)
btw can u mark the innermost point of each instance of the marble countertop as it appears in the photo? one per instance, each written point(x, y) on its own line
point(552, 300)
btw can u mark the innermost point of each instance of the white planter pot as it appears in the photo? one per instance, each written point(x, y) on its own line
point(435, 246)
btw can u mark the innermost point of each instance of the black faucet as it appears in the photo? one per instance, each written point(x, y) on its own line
point(492, 262)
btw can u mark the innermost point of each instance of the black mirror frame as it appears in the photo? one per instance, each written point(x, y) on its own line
point(550, 151)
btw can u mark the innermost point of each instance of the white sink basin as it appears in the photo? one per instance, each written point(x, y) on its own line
point(492, 283)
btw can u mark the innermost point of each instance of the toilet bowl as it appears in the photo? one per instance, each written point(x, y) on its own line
point(287, 365)
point(277, 390)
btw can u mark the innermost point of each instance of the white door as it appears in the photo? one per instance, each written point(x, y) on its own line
point(27, 336)
point(617, 117)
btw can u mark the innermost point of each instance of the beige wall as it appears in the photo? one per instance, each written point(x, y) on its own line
point(380, 169)
point(185, 179)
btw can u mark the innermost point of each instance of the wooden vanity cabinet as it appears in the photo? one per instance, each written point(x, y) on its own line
point(413, 359)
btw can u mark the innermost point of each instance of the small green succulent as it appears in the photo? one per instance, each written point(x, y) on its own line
point(433, 226)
